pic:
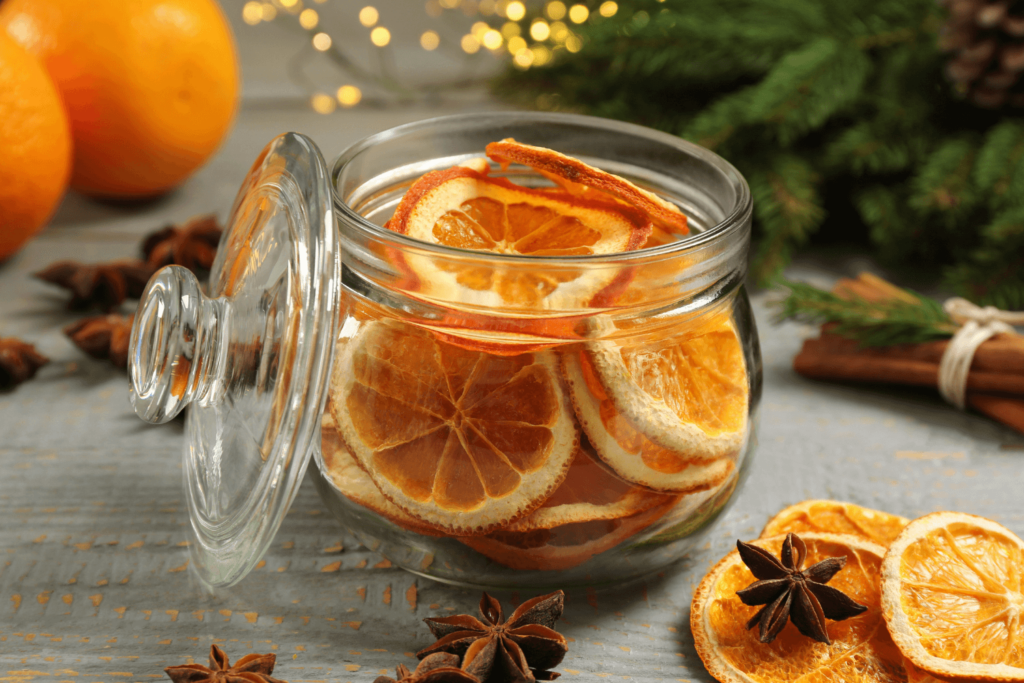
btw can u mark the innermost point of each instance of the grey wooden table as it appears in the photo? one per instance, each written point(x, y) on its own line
point(94, 576)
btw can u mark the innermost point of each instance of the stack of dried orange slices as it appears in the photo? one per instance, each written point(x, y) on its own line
point(541, 456)
point(944, 595)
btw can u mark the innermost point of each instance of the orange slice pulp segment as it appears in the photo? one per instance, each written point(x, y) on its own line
point(835, 517)
point(461, 440)
point(582, 180)
point(952, 595)
point(861, 649)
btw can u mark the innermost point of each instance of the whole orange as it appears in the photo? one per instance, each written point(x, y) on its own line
point(35, 147)
point(150, 86)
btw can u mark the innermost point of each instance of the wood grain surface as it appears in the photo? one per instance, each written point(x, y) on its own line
point(94, 576)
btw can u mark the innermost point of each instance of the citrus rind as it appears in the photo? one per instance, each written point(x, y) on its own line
point(987, 592)
point(861, 650)
point(836, 517)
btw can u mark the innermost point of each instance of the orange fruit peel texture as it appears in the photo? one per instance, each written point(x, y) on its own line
point(835, 517)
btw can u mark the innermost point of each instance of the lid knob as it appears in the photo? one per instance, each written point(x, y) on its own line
point(175, 345)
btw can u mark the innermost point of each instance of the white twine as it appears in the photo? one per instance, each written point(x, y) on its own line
point(977, 326)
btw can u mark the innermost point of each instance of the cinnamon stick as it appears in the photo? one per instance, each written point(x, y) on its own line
point(1009, 411)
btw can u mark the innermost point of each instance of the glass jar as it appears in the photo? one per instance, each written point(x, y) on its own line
point(496, 420)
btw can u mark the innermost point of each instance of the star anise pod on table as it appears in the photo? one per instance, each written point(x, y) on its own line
point(494, 650)
point(19, 362)
point(790, 592)
point(439, 667)
point(100, 285)
point(192, 245)
point(248, 669)
point(103, 336)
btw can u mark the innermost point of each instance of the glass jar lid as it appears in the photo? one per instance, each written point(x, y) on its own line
point(252, 359)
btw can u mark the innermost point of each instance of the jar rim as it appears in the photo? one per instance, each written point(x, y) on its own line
point(733, 225)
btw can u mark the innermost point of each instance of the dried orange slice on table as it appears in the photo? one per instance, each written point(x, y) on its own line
point(861, 650)
point(835, 517)
point(461, 207)
point(952, 596)
point(666, 415)
point(463, 441)
point(591, 512)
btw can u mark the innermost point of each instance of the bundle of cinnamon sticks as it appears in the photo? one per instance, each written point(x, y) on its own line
point(995, 385)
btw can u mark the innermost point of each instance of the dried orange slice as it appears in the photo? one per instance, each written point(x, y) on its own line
point(861, 649)
point(461, 207)
point(461, 440)
point(351, 481)
point(952, 596)
point(580, 179)
point(562, 547)
point(834, 517)
point(589, 493)
point(915, 675)
point(663, 415)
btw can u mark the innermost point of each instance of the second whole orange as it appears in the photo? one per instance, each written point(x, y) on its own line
point(150, 86)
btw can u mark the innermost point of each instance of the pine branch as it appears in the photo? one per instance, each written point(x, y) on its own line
point(880, 323)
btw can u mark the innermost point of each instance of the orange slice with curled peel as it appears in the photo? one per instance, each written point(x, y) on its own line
point(461, 207)
point(582, 180)
point(953, 596)
point(861, 649)
point(461, 440)
point(835, 517)
point(351, 481)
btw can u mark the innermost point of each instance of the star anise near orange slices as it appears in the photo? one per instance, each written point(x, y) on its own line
point(440, 667)
point(99, 285)
point(249, 669)
point(19, 362)
point(519, 650)
point(789, 592)
point(103, 336)
point(192, 245)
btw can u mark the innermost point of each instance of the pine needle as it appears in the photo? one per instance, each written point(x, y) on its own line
point(872, 323)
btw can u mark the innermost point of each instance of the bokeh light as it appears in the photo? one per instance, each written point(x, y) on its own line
point(322, 42)
point(578, 14)
point(434, 8)
point(573, 43)
point(515, 10)
point(555, 10)
point(269, 12)
point(608, 9)
point(540, 30)
point(368, 16)
point(559, 32)
point(449, 4)
point(252, 13)
point(515, 44)
point(349, 95)
point(479, 29)
point(492, 40)
point(510, 29)
point(541, 55)
point(469, 43)
point(322, 103)
point(380, 36)
point(308, 19)
point(487, 7)
point(524, 58)
point(430, 40)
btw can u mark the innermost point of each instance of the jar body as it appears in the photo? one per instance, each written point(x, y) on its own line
point(532, 422)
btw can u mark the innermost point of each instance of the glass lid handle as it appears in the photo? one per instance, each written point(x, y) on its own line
point(177, 351)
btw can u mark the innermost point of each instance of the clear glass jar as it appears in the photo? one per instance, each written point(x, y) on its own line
point(494, 420)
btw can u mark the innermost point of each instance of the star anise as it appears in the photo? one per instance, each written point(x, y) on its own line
point(792, 593)
point(248, 669)
point(439, 667)
point(19, 362)
point(192, 245)
point(103, 285)
point(493, 650)
point(103, 336)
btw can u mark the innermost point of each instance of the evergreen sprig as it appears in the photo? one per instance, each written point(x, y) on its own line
point(837, 113)
point(910, 320)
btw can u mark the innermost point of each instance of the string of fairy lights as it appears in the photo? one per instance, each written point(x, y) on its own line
point(527, 33)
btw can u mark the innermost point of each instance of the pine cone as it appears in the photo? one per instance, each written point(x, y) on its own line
point(986, 40)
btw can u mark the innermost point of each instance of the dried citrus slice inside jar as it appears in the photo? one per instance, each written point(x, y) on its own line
point(861, 649)
point(586, 182)
point(351, 480)
point(835, 517)
point(461, 440)
point(952, 596)
point(460, 207)
point(663, 415)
